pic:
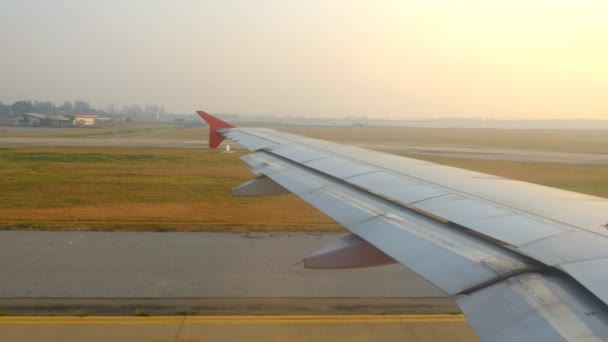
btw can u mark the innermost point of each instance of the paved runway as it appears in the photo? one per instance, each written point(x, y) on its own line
point(238, 328)
point(490, 153)
point(458, 151)
point(223, 271)
point(152, 264)
point(216, 274)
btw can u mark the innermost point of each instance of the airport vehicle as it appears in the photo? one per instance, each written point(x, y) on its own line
point(525, 262)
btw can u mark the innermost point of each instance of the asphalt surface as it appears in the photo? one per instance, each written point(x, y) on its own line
point(490, 153)
point(88, 274)
point(152, 264)
point(54, 272)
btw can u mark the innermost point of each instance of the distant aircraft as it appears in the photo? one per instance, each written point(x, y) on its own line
point(524, 262)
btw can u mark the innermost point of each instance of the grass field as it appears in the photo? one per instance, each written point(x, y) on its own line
point(104, 188)
point(164, 189)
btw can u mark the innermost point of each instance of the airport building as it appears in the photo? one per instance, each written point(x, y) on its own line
point(85, 120)
point(35, 119)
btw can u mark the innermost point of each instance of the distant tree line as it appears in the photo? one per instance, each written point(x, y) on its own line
point(81, 107)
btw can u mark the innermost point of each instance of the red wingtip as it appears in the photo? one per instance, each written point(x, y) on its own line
point(215, 137)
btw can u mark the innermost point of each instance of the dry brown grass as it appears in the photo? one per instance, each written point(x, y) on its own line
point(103, 188)
point(286, 214)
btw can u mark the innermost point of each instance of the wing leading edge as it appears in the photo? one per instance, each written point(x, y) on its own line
point(507, 262)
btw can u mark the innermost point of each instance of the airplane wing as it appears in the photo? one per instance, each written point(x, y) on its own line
point(525, 262)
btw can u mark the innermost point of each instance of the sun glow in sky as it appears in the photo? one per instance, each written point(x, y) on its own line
point(398, 59)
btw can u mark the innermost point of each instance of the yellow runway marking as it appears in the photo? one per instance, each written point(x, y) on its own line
point(127, 320)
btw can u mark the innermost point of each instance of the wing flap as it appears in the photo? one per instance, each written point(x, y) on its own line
point(593, 274)
point(535, 307)
point(423, 255)
point(572, 247)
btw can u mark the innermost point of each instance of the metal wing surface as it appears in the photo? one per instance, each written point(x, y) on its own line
point(525, 262)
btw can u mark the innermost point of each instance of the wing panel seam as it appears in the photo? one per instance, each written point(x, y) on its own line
point(501, 277)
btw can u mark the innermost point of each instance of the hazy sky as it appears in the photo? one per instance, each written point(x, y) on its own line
point(398, 59)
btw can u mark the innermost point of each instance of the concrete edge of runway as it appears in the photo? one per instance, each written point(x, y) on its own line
point(224, 306)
